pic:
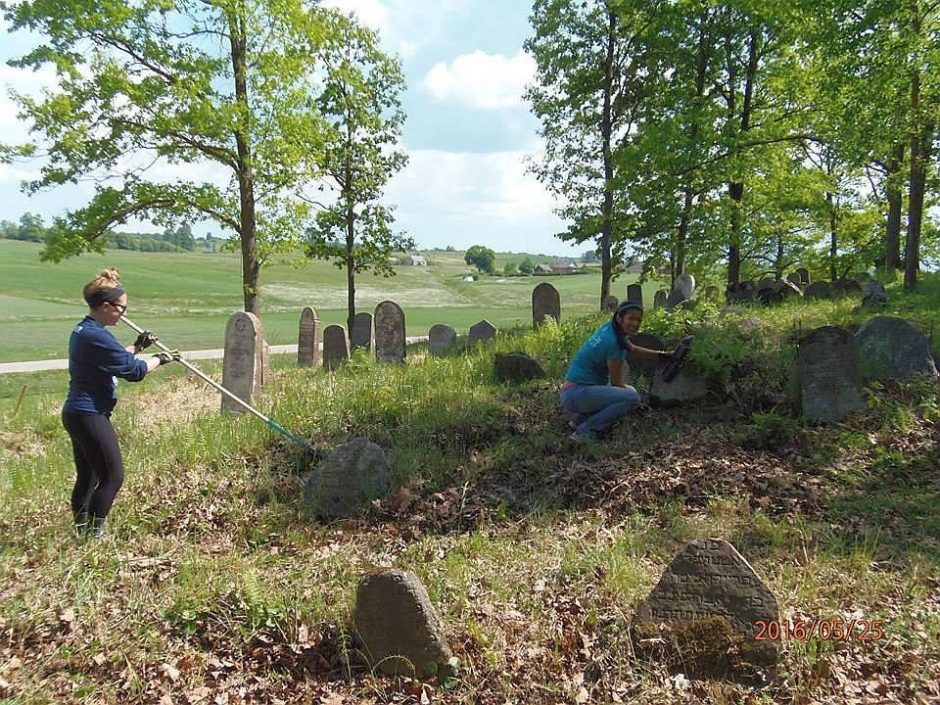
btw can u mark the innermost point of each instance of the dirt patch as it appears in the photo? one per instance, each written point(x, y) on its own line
point(181, 399)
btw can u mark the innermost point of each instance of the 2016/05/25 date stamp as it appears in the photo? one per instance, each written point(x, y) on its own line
point(836, 629)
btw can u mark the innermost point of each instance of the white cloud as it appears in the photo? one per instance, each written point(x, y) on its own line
point(370, 12)
point(481, 80)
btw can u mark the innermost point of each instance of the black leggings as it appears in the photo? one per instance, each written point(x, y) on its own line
point(97, 461)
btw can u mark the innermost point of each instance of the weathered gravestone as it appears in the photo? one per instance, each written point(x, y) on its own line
point(243, 362)
point(704, 617)
point(741, 292)
point(845, 287)
point(830, 388)
point(659, 299)
point(818, 290)
point(398, 625)
point(683, 289)
point(647, 368)
point(892, 348)
point(517, 367)
point(610, 303)
point(345, 483)
point(635, 293)
point(335, 346)
point(765, 283)
point(804, 276)
point(482, 331)
point(545, 303)
point(389, 332)
point(875, 295)
point(684, 387)
point(795, 279)
point(363, 332)
point(441, 339)
point(308, 339)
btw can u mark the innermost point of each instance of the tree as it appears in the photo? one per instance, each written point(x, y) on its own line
point(483, 258)
point(526, 267)
point(228, 82)
point(361, 102)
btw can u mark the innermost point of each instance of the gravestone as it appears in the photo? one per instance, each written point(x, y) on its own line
point(892, 348)
point(335, 346)
point(844, 287)
point(794, 279)
point(635, 293)
point(389, 332)
point(345, 483)
point(398, 625)
point(659, 299)
point(684, 387)
point(481, 331)
point(243, 362)
point(517, 367)
point(875, 295)
point(741, 292)
point(830, 388)
point(647, 368)
point(363, 332)
point(308, 339)
point(818, 290)
point(804, 276)
point(683, 289)
point(441, 339)
point(610, 303)
point(862, 277)
point(704, 615)
point(765, 283)
point(786, 289)
point(545, 302)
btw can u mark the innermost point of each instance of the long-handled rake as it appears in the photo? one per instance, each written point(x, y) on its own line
point(317, 454)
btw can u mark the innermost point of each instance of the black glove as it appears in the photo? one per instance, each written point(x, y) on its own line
point(145, 340)
point(675, 359)
point(165, 357)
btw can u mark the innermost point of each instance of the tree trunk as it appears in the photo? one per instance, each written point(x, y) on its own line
point(607, 228)
point(350, 232)
point(833, 237)
point(920, 154)
point(894, 197)
point(736, 191)
point(778, 262)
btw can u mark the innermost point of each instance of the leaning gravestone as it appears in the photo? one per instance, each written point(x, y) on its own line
point(335, 346)
point(308, 340)
point(610, 303)
point(398, 625)
point(517, 367)
point(830, 388)
point(794, 279)
point(389, 332)
point(647, 368)
point(804, 276)
point(818, 290)
point(875, 295)
point(346, 482)
point(545, 303)
point(482, 331)
point(362, 335)
point(704, 616)
point(635, 293)
point(243, 360)
point(659, 299)
point(892, 348)
point(683, 289)
point(441, 339)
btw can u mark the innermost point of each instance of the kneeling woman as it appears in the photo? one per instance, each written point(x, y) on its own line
point(594, 389)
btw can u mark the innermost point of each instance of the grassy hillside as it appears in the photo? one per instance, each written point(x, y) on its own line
point(187, 298)
point(535, 549)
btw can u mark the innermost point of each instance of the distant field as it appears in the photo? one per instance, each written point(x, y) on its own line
point(187, 298)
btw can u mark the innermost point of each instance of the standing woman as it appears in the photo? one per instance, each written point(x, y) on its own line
point(96, 360)
point(594, 390)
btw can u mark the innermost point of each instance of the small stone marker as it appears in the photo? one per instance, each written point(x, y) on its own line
point(683, 289)
point(610, 303)
point(484, 330)
point(875, 295)
point(362, 335)
point(346, 482)
point(308, 339)
point(892, 348)
point(517, 367)
point(818, 290)
point(765, 283)
point(830, 388)
point(398, 625)
point(441, 339)
point(545, 302)
point(389, 332)
point(804, 276)
point(335, 346)
point(635, 293)
point(659, 299)
point(684, 387)
point(243, 361)
point(741, 292)
point(704, 616)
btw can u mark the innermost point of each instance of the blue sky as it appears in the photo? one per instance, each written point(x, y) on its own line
point(468, 131)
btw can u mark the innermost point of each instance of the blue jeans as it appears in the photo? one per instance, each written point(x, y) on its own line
point(598, 406)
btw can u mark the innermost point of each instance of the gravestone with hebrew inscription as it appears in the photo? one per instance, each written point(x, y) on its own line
point(441, 339)
point(892, 348)
point(345, 483)
point(362, 335)
point(389, 332)
point(704, 616)
point(659, 299)
point(243, 360)
point(545, 303)
point(830, 387)
point(335, 346)
point(308, 338)
point(683, 290)
point(481, 331)
point(635, 293)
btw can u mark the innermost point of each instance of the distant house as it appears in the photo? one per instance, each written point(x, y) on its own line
point(469, 278)
point(415, 260)
point(566, 267)
point(543, 269)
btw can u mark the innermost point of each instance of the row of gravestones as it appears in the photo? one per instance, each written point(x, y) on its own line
point(709, 590)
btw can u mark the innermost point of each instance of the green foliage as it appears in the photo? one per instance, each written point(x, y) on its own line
point(483, 258)
point(526, 266)
point(768, 431)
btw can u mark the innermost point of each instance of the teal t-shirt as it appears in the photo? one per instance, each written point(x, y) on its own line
point(589, 366)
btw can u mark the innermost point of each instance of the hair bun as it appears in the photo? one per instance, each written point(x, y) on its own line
point(111, 274)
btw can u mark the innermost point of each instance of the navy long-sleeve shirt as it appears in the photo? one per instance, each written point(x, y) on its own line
point(96, 360)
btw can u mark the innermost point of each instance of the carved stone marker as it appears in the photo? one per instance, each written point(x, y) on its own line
point(398, 625)
point(804, 276)
point(545, 302)
point(647, 368)
point(610, 303)
point(441, 339)
point(765, 283)
point(243, 362)
point(794, 278)
point(741, 292)
point(684, 387)
point(346, 482)
point(830, 388)
point(659, 299)
point(875, 295)
point(703, 617)
point(818, 290)
point(683, 289)
point(892, 348)
point(389, 332)
point(517, 367)
point(484, 330)
point(635, 293)
point(335, 346)
point(308, 339)
point(362, 335)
